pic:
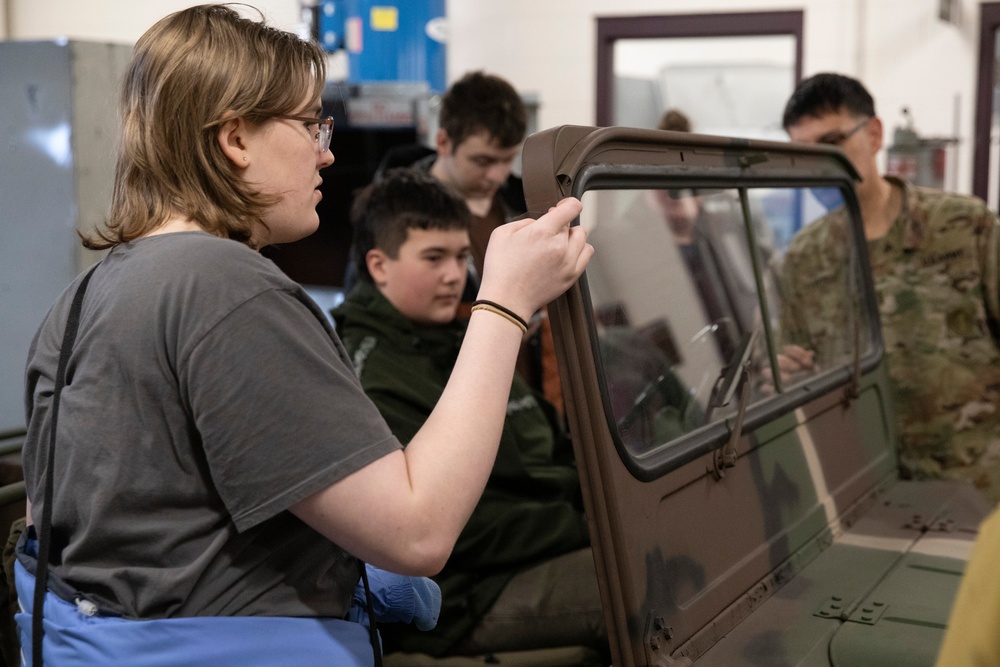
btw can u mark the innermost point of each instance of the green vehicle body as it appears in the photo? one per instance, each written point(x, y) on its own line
point(772, 533)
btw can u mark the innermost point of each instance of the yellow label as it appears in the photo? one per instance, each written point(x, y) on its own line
point(385, 19)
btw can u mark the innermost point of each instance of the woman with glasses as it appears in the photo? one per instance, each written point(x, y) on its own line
point(216, 469)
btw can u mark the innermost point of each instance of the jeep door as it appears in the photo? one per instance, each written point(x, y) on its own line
point(721, 456)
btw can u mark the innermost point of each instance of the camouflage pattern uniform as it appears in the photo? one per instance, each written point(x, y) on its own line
point(936, 282)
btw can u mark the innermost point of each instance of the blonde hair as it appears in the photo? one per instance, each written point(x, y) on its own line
point(189, 73)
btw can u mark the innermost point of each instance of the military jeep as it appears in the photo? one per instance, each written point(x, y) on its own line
point(739, 515)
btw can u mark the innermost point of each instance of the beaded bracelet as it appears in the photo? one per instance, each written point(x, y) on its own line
point(505, 313)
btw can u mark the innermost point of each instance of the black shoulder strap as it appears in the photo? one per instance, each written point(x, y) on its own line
point(372, 626)
point(42, 568)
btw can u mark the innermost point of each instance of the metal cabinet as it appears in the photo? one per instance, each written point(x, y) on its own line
point(58, 123)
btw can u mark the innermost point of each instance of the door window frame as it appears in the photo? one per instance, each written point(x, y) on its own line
point(742, 24)
point(989, 24)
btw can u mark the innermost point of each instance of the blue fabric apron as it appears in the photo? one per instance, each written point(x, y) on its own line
point(74, 639)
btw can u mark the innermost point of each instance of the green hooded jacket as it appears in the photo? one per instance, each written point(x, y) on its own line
point(531, 509)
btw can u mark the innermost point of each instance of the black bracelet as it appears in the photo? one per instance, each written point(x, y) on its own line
point(508, 311)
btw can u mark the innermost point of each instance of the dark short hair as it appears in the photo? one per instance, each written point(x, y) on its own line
point(675, 121)
point(827, 93)
point(384, 212)
point(483, 102)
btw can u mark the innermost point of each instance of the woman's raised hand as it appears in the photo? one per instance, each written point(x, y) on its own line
point(530, 262)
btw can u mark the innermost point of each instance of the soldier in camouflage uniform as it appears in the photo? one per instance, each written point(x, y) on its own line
point(934, 260)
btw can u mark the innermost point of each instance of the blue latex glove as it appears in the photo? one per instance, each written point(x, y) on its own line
point(397, 599)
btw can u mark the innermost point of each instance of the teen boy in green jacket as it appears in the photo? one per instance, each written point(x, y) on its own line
point(521, 575)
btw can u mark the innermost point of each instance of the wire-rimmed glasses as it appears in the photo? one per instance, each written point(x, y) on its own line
point(324, 132)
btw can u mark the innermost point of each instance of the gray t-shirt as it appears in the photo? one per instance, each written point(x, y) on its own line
point(206, 394)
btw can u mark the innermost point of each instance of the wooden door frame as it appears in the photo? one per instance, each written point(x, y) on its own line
point(989, 23)
point(740, 24)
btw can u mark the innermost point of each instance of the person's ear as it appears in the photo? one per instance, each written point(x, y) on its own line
point(443, 143)
point(232, 137)
point(377, 262)
point(876, 133)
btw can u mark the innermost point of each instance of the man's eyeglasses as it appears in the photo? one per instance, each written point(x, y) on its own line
point(838, 137)
point(323, 133)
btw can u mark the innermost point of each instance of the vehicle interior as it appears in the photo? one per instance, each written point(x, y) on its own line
point(739, 515)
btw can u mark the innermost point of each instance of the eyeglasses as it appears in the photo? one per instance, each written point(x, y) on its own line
point(324, 132)
point(837, 137)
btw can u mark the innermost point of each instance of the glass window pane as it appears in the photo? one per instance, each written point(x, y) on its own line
point(817, 316)
point(678, 301)
point(675, 297)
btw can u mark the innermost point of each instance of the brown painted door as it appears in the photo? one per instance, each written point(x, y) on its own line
point(670, 344)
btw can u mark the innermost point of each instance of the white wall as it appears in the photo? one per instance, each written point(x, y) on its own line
point(899, 48)
point(120, 21)
point(904, 54)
